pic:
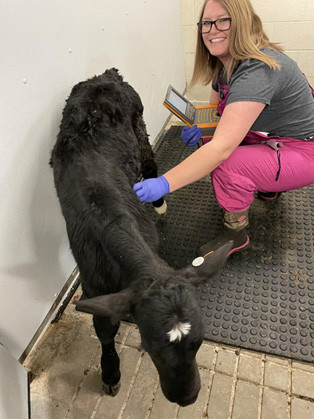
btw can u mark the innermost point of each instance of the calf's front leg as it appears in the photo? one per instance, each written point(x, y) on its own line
point(110, 362)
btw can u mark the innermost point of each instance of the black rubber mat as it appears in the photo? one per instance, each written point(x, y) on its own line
point(263, 299)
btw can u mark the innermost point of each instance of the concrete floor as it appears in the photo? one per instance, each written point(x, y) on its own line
point(236, 383)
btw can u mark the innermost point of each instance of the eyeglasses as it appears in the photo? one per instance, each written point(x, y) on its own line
point(223, 24)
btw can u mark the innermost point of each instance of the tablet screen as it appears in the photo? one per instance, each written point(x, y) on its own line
point(177, 102)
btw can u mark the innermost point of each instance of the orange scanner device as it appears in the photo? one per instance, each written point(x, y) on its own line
point(205, 117)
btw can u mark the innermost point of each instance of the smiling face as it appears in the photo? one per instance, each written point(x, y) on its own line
point(217, 42)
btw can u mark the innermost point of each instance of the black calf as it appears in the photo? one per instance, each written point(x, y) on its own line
point(101, 151)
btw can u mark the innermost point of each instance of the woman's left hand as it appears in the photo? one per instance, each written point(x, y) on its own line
point(191, 135)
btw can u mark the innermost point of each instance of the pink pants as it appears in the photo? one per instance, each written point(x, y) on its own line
point(253, 167)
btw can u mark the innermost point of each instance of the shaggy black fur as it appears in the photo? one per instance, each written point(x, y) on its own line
point(101, 151)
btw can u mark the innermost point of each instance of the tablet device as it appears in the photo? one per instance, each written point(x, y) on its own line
point(205, 117)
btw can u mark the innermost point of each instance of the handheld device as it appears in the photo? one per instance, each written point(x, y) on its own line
point(205, 117)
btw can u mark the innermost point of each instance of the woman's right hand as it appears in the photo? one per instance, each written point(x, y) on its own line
point(191, 135)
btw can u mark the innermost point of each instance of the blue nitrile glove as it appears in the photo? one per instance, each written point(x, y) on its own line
point(191, 135)
point(151, 189)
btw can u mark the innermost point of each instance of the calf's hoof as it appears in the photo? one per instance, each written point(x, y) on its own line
point(112, 390)
point(161, 210)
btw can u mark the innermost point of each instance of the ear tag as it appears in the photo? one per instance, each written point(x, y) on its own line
point(198, 261)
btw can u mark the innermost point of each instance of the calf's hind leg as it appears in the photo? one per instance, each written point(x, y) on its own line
point(149, 170)
point(110, 362)
point(148, 164)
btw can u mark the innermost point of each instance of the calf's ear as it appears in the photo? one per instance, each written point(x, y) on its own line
point(115, 306)
point(210, 264)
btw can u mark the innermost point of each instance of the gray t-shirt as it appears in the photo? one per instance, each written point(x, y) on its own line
point(289, 110)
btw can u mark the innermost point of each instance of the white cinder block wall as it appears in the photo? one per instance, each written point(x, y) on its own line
point(288, 22)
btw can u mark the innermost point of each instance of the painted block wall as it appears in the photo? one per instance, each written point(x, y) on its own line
point(286, 21)
point(47, 47)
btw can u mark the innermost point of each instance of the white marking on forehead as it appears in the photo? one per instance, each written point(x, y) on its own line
point(178, 331)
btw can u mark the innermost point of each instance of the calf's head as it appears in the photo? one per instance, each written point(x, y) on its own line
point(169, 321)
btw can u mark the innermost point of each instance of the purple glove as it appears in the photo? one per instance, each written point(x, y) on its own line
point(151, 189)
point(191, 135)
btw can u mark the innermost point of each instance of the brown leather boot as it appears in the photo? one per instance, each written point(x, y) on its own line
point(234, 224)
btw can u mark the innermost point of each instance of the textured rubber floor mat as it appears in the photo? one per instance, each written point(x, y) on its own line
point(263, 299)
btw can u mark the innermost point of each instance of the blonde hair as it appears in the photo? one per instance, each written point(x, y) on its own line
point(247, 37)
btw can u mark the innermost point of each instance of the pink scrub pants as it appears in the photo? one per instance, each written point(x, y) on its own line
point(254, 166)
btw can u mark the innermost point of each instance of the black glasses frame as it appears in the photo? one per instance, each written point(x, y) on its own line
point(213, 22)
